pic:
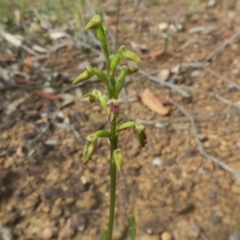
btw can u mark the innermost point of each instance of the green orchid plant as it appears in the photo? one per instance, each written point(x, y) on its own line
point(111, 106)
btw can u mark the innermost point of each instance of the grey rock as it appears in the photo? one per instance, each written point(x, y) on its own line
point(234, 236)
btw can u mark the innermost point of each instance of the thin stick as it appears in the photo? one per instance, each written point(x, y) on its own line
point(222, 46)
point(217, 96)
point(226, 80)
point(167, 84)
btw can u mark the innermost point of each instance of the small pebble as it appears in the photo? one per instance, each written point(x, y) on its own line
point(166, 236)
point(211, 3)
point(195, 73)
point(56, 212)
point(47, 233)
point(78, 221)
point(163, 26)
point(236, 72)
point(157, 162)
point(66, 233)
point(176, 27)
point(234, 236)
point(216, 219)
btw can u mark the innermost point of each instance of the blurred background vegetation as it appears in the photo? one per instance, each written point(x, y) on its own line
point(59, 11)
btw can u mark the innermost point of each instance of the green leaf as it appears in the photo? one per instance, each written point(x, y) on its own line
point(142, 138)
point(103, 134)
point(115, 61)
point(104, 234)
point(89, 147)
point(126, 125)
point(101, 76)
point(87, 74)
point(118, 159)
point(129, 55)
point(132, 230)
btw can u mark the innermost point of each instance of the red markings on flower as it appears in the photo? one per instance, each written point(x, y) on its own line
point(113, 107)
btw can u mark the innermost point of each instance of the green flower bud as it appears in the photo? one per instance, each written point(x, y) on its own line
point(121, 79)
point(139, 129)
point(115, 61)
point(126, 125)
point(125, 71)
point(101, 76)
point(131, 70)
point(95, 23)
point(102, 34)
point(118, 159)
point(89, 147)
point(88, 73)
point(129, 55)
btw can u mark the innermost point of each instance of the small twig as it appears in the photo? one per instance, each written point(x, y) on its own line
point(29, 50)
point(222, 46)
point(199, 144)
point(167, 84)
point(177, 119)
point(226, 101)
point(212, 94)
point(38, 137)
point(226, 80)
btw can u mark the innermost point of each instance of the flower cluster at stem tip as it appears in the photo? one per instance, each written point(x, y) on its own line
point(114, 85)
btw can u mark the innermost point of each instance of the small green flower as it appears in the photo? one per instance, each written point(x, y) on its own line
point(139, 129)
point(131, 70)
point(87, 74)
point(129, 55)
point(89, 147)
point(115, 61)
point(102, 34)
point(97, 96)
point(118, 158)
point(113, 109)
point(95, 22)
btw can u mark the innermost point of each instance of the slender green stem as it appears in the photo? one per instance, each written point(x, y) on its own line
point(112, 180)
point(113, 141)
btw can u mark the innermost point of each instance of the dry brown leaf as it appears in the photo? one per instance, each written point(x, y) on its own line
point(153, 103)
point(47, 95)
point(159, 55)
point(28, 64)
point(152, 54)
point(112, 20)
